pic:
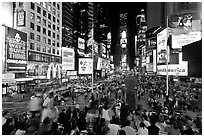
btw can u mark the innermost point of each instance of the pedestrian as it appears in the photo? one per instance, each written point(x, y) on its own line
point(153, 129)
point(142, 129)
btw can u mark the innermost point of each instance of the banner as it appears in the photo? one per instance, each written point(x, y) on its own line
point(174, 70)
point(162, 47)
point(68, 59)
point(85, 66)
point(16, 50)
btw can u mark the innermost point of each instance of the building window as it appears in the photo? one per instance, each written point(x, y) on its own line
point(49, 33)
point(53, 19)
point(49, 8)
point(54, 11)
point(49, 50)
point(49, 16)
point(58, 14)
point(38, 38)
point(32, 6)
point(49, 41)
point(54, 4)
point(20, 4)
point(49, 24)
point(44, 49)
point(44, 22)
point(53, 43)
point(32, 36)
point(58, 6)
point(39, 10)
point(53, 51)
point(32, 26)
point(57, 52)
point(32, 16)
point(58, 29)
point(44, 39)
point(58, 21)
point(38, 28)
point(44, 5)
point(32, 46)
point(44, 31)
point(53, 26)
point(38, 19)
point(57, 44)
point(57, 36)
point(38, 47)
point(53, 34)
point(44, 13)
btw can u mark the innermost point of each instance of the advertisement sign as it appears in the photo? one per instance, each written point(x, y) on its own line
point(184, 39)
point(71, 73)
point(16, 50)
point(68, 58)
point(81, 44)
point(21, 18)
point(152, 44)
point(85, 66)
point(155, 60)
point(162, 47)
point(174, 70)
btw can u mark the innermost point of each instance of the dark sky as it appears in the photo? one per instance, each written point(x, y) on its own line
point(113, 10)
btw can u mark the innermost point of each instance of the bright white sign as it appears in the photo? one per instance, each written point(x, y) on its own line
point(184, 39)
point(68, 58)
point(85, 66)
point(174, 70)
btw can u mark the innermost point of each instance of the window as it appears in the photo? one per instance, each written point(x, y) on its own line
point(53, 19)
point(44, 5)
point(57, 44)
point(49, 33)
point(58, 6)
point(39, 10)
point(49, 24)
point(57, 36)
point(38, 28)
point(44, 22)
point(53, 26)
point(44, 39)
point(49, 50)
point(38, 19)
point(32, 46)
point(20, 4)
point(53, 43)
point(38, 38)
point(32, 16)
point(53, 34)
point(54, 4)
point(58, 29)
point(32, 26)
point(49, 41)
point(32, 36)
point(54, 11)
point(57, 52)
point(49, 8)
point(44, 13)
point(53, 51)
point(32, 6)
point(49, 16)
point(58, 14)
point(58, 21)
point(38, 47)
point(44, 49)
point(44, 31)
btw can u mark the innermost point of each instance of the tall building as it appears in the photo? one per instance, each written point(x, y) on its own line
point(43, 25)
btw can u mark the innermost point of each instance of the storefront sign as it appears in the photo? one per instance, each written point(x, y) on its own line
point(174, 70)
point(16, 50)
point(85, 66)
point(184, 39)
point(68, 60)
point(71, 73)
point(162, 47)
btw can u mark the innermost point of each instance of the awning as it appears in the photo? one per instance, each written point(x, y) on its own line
point(23, 79)
point(8, 81)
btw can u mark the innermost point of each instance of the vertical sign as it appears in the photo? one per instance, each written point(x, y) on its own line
point(21, 18)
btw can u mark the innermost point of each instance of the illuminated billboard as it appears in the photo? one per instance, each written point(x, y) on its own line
point(16, 50)
point(68, 59)
point(85, 66)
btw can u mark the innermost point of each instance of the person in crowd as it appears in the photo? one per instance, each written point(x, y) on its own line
point(128, 129)
point(121, 132)
point(173, 130)
point(5, 116)
point(45, 127)
point(105, 130)
point(8, 128)
point(35, 104)
point(61, 118)
point(153, 129)
point(142, 129)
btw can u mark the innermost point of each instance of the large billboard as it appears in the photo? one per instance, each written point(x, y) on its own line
point(162, 47)
point(68, 58)
point(174, 70)
point(85, 66)
point(16, 42)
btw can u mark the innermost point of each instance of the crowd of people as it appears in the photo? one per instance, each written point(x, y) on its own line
point(107, 116)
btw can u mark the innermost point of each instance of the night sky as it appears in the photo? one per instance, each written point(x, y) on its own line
point(113, 10)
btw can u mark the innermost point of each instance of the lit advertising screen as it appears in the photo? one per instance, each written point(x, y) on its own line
point(85, 66)
point(68, 59)
point(16, 50)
